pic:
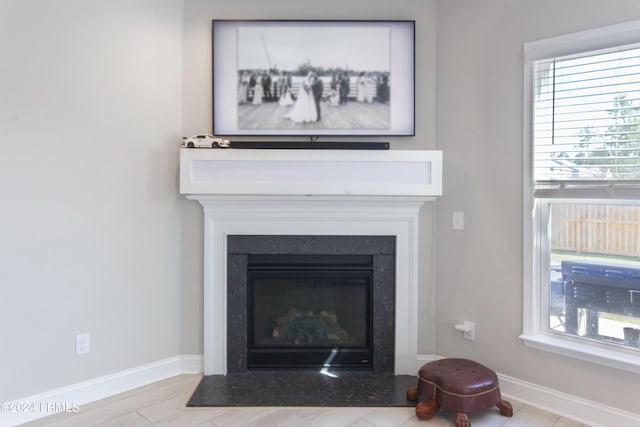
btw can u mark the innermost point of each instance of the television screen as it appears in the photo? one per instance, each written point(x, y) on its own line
point(313, 78)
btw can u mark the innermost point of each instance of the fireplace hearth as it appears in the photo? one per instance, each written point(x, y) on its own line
point(307, 302)
point(288, 388)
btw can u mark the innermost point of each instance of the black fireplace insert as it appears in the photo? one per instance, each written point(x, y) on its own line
point(309, 311)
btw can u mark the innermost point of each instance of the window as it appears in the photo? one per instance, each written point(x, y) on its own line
point(582, 196)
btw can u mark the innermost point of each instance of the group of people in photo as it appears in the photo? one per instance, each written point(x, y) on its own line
point(306, 93)
point(372, 86)
point(261, 86)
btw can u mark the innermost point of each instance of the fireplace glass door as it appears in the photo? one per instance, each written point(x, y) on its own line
point(309, 311)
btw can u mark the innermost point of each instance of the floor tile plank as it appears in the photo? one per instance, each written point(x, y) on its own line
point(132, 419)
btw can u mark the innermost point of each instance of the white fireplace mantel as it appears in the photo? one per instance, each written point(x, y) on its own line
point(310, 192)
point(311, 172)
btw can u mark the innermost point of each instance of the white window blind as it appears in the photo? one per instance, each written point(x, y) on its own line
point(586, 124)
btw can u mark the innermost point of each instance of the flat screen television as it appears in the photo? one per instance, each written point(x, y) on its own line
point(313, 78)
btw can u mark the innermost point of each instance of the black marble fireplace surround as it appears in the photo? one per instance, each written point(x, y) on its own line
point(381, 249)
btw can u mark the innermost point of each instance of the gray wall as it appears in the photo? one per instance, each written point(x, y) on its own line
point(95, 238)
point(479, 269)
point(91, 223)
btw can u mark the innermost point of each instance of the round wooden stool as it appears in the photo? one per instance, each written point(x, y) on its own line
point(459, 385)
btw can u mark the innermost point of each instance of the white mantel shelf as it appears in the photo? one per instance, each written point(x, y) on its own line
point(311, 172)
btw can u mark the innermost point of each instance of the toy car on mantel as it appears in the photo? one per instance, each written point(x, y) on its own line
point(205, 140)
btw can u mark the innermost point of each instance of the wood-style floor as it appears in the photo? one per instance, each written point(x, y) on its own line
point(163, 404)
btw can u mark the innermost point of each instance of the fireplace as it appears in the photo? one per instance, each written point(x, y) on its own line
point(301, 302)
point(347, 193)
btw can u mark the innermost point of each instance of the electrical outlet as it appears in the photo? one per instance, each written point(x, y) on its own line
point(83, 344)
point(470, 332)
point(468, 329)
point(457, 220)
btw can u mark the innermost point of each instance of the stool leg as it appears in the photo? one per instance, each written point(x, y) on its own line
point(462, 420)
point(413, 393)
point(425, 410)
point(506, 410)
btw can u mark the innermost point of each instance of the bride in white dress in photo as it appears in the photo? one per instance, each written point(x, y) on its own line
point(304, 110)
point(286, 100)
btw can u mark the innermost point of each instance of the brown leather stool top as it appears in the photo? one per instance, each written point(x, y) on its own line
point(459, 385)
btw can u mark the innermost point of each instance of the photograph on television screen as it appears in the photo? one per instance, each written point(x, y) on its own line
point(319, 77)
point(313, 77)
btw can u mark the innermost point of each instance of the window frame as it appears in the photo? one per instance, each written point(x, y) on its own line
point(536, 258)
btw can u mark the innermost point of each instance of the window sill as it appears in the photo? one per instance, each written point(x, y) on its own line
point(601, 354)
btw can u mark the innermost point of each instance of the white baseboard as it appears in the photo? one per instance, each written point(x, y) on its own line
point(584, 411)
point(425, 358)
point(70, 398)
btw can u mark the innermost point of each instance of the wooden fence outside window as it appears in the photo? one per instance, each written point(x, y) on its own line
point(596, 229)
